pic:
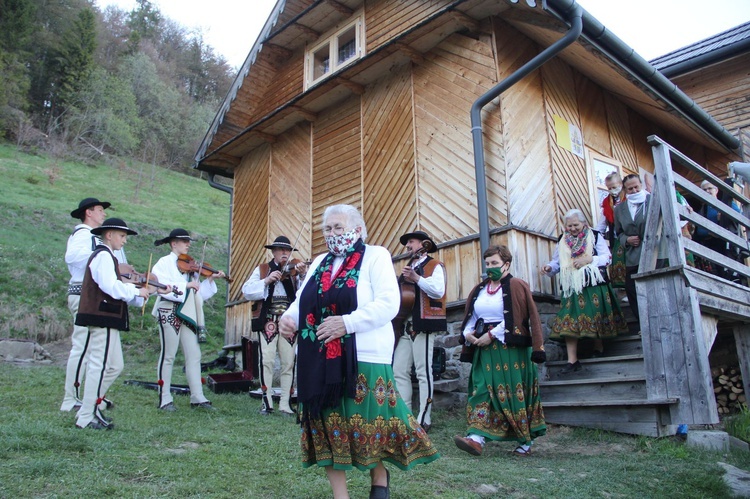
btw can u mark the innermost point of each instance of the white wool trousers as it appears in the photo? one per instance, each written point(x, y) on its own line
point(416, 352)
point(105, 363)
point(77, 359)
point(171, 339)
point(267, 359)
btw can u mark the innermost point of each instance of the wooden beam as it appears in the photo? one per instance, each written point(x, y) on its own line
point(742, 343)
point(308, 115)
point(278, 51)
point(226, 158)
point(307, 31)
point(354, 87)
point(415, 55)
point(340, 7)
point(467, 22)
point(265, 136)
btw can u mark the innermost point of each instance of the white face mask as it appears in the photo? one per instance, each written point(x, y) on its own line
point(615, 191)
point(637, 197)
point(339, 244)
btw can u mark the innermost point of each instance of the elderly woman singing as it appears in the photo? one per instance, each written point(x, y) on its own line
point(350, 411)
point(589, 308)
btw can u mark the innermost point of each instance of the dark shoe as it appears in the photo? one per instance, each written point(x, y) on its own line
point(468, 445)
point(520, 451)
point(98, 424)
point(170, 407)
point(380, 492)
point(426, 427)
point(265, 411)
point(569, 368)
point(597, 354)
point(203, 405)
point(108, 404)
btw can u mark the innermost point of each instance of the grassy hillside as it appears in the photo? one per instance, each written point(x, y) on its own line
point(38, 194)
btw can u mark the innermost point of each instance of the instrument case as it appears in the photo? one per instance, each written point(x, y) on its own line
point(237, 382)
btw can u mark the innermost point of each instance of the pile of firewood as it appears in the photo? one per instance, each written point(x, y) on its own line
point(728, 388)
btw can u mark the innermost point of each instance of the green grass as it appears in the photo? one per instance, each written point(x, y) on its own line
point(738, 425)
point(235, 452)
point(38, 195)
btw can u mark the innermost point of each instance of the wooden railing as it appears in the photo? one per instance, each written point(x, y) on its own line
point(680, 305)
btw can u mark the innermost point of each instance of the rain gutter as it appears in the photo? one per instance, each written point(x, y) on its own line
point(576, 27)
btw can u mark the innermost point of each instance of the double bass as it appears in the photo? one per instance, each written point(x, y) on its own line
point(408, 294)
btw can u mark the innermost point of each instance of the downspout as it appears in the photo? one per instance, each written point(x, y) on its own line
point(576, 21)
point(229, 190)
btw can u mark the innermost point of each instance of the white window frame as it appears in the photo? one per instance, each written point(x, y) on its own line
point(332, 39)
point(596, 167)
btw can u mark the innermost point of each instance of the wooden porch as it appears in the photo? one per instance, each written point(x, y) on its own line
point(651, 382)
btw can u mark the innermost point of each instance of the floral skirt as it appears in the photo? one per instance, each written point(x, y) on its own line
point(504, 401)
point(374, 426)
point(616, 268)
point(593, 313)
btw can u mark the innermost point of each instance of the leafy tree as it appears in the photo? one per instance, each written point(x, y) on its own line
point(76, 55)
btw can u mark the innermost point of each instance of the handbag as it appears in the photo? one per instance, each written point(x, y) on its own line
point(467, 349)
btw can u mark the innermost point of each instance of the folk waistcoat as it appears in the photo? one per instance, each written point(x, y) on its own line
point(428, 314)
point(97, 308)
point(259, 308)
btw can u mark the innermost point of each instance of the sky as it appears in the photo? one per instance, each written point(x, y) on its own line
point(651, 27)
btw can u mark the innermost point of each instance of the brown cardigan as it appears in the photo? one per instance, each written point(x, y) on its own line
point(523, 327)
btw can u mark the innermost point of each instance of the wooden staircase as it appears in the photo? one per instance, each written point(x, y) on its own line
point(609, 393)
point(652, 382)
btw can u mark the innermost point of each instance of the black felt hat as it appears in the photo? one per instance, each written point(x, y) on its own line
point(175, 234)
point(422, 236)
point(280, 242)
point(85, 204)
point(114, 224)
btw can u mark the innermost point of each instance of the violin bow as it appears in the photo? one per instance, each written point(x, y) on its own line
point(148, 276)
point(203, 257)
point(294, 246)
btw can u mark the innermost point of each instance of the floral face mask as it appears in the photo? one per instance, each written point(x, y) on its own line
point(339, 244)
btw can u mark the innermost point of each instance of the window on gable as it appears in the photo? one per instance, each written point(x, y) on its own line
point(334, 51)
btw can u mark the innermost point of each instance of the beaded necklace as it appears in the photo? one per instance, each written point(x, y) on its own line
point(490, 290)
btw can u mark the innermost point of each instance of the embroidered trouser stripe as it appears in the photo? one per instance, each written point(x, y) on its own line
point(160, 367)
point(80, 366)
point(428, 362)
point(263, 387)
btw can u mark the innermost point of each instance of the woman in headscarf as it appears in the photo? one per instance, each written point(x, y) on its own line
point(588, 308)
point(502, 323)
point(349, 409)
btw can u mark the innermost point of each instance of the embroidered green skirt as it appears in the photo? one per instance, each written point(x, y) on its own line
point(504, 401)
point(593, 313)
point(616, 268)
point(374, 426)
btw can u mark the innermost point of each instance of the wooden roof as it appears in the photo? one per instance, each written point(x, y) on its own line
point(720, 41)
point(246, 119)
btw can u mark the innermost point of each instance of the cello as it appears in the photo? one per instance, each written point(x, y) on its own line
point(408, 292)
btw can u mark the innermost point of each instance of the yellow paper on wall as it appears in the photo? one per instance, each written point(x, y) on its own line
point(568, 136)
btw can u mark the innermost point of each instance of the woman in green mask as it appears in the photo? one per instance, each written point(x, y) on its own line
point(502, 323)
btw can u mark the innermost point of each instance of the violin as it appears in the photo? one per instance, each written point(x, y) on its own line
point(187, 263)
point(129, 274)
point(290, 268)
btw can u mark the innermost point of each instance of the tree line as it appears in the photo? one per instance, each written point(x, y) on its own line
point(88, 82)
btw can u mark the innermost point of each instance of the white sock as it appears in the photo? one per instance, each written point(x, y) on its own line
point(477, 438)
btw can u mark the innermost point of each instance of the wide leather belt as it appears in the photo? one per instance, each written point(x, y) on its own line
point(74, 289)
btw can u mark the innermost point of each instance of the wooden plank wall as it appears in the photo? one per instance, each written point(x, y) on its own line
point(620, 138)
point(388, 176)
point(289, 196)
point(385, 19)
point(722, 91)
point(451, 77)
point(249, 217)
point(569, 173)
point(531, 193)
point(337, 163)
point(592, 108)
point(286, 84)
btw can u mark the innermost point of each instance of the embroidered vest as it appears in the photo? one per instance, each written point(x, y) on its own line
point(97, 308)
point(428, 314)
point(259, 308)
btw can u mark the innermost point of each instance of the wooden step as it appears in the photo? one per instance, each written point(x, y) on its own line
point(604, 367)
point(577, 389)
point(624, 345)
point(638, 417)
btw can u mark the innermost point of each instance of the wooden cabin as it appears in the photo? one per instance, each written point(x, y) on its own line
point(368, 103)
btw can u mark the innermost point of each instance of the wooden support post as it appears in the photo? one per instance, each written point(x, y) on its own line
point(742, 342)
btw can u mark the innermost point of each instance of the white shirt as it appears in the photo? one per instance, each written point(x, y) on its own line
point(104, 275)
point(166, 272)
point(78, 251)
point(255, 289)
point(378, 301)
point(434, 285)
point(490, 308)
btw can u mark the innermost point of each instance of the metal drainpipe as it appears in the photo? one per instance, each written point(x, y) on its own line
point(229, 190)
point(571, 36)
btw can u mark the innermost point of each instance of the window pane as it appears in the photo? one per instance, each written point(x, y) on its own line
point(347, 45)
point(601, 170)
point(321, 61)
